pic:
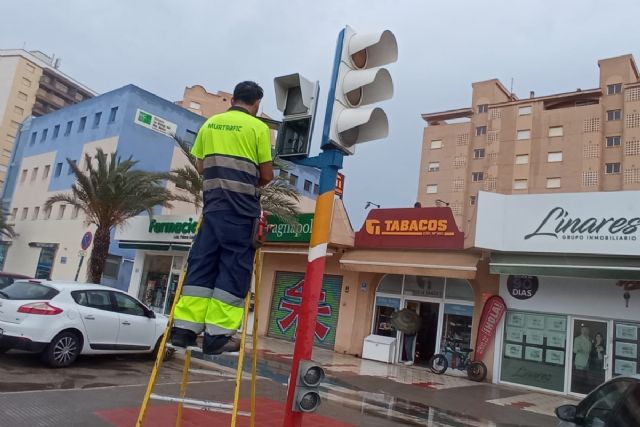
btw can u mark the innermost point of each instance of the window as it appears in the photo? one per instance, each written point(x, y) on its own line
point(23, 177)
point(47, 213)
point(19, 111)
point(434, 166)
point(589, 179)
point(556, 131)
point(29, 291)
point(524, 134)
point(194, 105)
point(25, 212)
point(554, 156)
point(45, 174)
point(473, 200)
point(614, 115)
point(190, 137)
point(94, 299)
point(522, 159)
point(56, 131)
point(632, 148)
point(611, 168)
point(75, 212)
point(58, 169)
point(112, 114)
point(432, 189)
point(307, 185)
point(26, 82)
point(67, 130)
point(36, 212)
point(614, 88)
point(477, 176)
point(483, 108)
point(82, 124)
point(112, 267)
point(14, 213)
point(553, 182)
point(127, 305)
point(34, 174)
point(96, 119)
point(293, 179)
point(596, 409)
point(520, 184)
point(22, 96)
point(71, 164)
point(33, 138)
point(30, 68)
point(316, 189)
point(436, 144)
point(524, 111)
point(481, 130)
point(283, 174)
point(478, 153)
point(44, 135)
point(61, 211)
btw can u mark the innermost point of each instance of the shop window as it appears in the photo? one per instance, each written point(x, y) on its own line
point(391, 284)
point(625, 348)
point(456, 330)
point(424, 286)
point(459, 289)
point(534, 350)
point(155, 280)
point(385, 306)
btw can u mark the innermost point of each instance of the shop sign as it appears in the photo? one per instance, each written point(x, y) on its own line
point(589, 223)
point(160, 228)
point(492, 313)
point(410, 228)
point(155, 123)
point(522, 287)
point(280, 231)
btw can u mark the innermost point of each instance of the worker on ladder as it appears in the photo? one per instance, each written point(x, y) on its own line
point(233, 152)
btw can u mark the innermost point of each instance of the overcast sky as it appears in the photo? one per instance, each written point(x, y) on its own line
point(163, 46)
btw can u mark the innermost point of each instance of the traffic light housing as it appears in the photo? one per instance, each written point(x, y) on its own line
point(307, 393)
point(297, 98)
point(359, 81)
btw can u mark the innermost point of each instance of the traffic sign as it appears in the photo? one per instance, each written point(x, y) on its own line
point(86, 240)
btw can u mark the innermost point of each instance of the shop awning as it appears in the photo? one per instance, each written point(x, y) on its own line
point(461, 265)
point(558, 265)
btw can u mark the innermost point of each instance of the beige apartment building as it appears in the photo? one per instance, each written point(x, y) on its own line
point(31, 84)
point(197, 100)
point(581, 141)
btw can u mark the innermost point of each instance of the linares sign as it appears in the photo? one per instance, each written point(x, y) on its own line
point(155, 123)
point(581, 223)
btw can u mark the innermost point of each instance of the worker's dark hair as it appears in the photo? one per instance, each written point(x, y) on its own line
point(248, 92)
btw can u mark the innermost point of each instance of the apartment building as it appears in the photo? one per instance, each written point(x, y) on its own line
point(586, 140)
point(197, 100)
point(31, 84)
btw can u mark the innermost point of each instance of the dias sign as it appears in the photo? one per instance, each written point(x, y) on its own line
point(410, 228)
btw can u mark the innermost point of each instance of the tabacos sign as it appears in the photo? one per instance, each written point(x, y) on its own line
point(559, 223)
point(410, 228)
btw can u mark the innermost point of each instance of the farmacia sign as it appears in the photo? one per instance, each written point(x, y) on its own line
point(560, 224)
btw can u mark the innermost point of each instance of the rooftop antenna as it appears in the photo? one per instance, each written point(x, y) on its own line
point(24, 45)
point(511, 88)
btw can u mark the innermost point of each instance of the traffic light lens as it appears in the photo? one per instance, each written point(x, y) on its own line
point(313, 376)
point(354, 97)
point(309, 401)
point(359, 58)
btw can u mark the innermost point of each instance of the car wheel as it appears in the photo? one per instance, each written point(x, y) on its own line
point(63, 350)
point(168, 354)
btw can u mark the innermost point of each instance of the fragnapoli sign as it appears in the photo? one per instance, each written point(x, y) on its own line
point(587, 223)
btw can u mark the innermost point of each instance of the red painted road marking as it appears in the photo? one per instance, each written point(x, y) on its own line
point(521, 405)
point(269, 413)
point(429, 384)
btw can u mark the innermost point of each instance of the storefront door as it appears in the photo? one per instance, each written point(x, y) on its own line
point(590, 352)
point(421, 347)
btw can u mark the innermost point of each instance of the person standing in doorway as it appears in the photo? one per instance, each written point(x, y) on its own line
point(407, 321)
point(582, 352)
point(233, 152)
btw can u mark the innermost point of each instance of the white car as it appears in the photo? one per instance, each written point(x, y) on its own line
point(62, 320)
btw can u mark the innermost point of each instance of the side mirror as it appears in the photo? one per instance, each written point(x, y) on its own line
point(566, 412)
point(150, 314)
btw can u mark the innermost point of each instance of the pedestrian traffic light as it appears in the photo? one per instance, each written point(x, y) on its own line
point(307, 392)
point(297, 98)
point(359, 81)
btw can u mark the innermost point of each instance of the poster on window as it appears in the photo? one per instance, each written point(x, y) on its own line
point(535, 336)
point(626, 332)
point(515, 319)
point(287, 302)
point(513, 350)
point(625, 367)
point(554, 356)
point(556, 323)
point(515, 334)
point(626, 349)
point(535, 321)
point(556, 339)
point(533, 353)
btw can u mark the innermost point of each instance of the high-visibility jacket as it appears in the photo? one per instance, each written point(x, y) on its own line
point(232, 144)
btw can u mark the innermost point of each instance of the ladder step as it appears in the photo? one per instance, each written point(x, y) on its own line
point(198, 404)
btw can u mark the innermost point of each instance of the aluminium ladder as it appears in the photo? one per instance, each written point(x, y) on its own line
point(207, 405)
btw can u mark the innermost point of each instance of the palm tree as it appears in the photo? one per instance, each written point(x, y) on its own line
point(6, 229)
point(110, 193)
point(278, 198)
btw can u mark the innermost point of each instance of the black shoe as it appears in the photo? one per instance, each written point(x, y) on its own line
point(219, 344)
point(183, 338)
